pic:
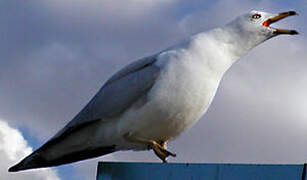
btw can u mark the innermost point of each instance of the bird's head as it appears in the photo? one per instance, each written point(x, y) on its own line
point(259, 22)
point(252, 28)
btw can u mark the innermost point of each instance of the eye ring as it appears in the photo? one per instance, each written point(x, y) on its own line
point(256, 16)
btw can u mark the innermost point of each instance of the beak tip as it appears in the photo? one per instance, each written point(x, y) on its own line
point(292, 13)
point(294, 32)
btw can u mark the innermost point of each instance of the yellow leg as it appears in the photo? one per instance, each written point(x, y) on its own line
point(163, 144)
point(158, 148)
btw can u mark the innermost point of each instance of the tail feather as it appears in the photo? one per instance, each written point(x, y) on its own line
point(36, 160)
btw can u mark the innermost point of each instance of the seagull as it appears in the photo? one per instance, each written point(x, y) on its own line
point(155, 99)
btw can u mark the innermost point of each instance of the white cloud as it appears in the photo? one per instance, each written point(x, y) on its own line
point(13, 147)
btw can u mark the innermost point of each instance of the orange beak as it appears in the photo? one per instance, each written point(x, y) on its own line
point(280, 16)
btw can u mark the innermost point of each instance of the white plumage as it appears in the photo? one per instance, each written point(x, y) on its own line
point(156, 98)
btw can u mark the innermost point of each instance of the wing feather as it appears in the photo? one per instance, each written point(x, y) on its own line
point(122, 90)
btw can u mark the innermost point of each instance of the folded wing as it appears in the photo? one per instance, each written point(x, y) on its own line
point(121, 91)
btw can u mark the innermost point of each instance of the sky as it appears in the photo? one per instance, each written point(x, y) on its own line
point(56, 54)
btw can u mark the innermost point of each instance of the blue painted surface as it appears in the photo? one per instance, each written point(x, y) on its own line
point(175, 171)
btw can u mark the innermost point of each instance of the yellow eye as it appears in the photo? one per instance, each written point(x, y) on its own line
point(256, 16)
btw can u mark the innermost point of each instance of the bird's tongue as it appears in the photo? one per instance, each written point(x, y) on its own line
point(267, 23)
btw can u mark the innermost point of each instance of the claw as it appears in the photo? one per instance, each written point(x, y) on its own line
point(158, 148)
point(161, 151)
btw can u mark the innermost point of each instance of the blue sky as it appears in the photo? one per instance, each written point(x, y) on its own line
point(55, 55)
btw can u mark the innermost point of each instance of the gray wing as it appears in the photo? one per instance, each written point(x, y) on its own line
point(117, 94)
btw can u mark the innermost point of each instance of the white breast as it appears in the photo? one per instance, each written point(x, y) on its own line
point(181, 95)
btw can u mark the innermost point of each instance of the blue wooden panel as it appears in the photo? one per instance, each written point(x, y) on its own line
point(175, 171)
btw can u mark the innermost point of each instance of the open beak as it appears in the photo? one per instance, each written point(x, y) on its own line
point(280, 16)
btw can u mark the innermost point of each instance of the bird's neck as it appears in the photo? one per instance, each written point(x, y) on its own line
point(230, 40)
point(221, 47)
point(240, 41)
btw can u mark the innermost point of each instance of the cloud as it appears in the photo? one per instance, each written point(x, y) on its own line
point(53, 56)
point(131, 8)
point(13, 147)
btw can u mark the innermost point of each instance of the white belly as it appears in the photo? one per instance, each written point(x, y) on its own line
point(180, 96)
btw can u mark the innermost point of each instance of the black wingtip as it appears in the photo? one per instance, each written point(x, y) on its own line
point(28, 162)
point(14, 168)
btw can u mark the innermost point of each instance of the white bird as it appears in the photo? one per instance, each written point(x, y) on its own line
point(155, 99)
